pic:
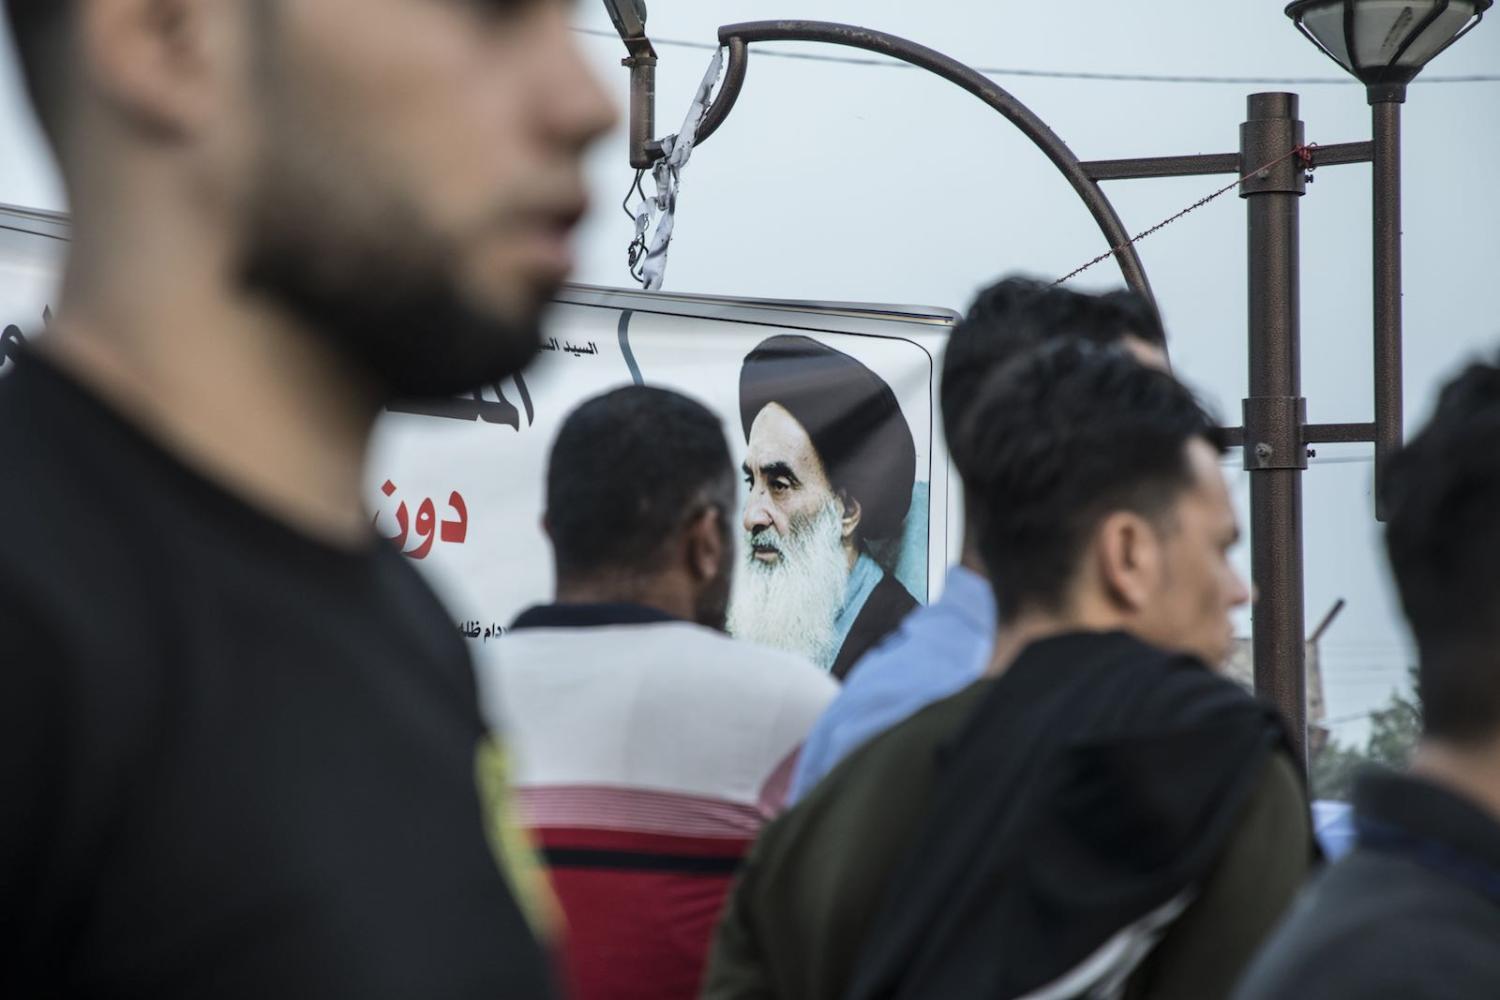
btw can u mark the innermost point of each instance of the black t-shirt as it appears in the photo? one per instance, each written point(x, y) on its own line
point(234, 762)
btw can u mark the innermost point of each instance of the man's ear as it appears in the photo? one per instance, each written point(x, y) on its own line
point(706, 544)
point(849, 522)
point(1129, 557)
point(149, 60)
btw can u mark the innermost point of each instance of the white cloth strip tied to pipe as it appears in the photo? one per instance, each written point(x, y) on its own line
point(660, 209)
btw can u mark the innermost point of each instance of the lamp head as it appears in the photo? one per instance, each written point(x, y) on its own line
point(629, 17)
point(1385, 43)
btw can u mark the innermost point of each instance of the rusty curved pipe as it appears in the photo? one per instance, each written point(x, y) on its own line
point(729, 92)
point(738, 38)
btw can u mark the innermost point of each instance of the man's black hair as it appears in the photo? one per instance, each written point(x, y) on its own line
point(1016, 314)
point(1442, 535)
point(629, 468)
point(1056, 440)
point(40, 31)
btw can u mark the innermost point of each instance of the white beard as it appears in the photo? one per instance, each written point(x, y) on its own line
point(792, 604)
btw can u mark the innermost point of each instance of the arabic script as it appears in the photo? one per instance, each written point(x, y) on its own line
point(13, 341)
point(426, 526)
point(475, 405)
point(568, 347)
point(474, 630)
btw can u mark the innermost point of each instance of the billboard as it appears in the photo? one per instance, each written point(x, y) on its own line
point(839, 398)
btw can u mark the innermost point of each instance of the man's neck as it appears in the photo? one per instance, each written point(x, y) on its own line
point(1016, 636)
point(1029, 626)
point(651, 592)
point(1472, 772)
point(968, 556)
point(234, 390)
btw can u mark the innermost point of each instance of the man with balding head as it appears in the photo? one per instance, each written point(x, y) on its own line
point(830, 464)
point(650, 748)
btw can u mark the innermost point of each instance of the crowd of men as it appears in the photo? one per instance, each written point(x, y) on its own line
point(244, 754)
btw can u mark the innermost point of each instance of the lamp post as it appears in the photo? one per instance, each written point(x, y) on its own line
point(1385, 43)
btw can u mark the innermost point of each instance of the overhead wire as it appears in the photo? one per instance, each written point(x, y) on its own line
point(1051, 74)
point(1303, 152)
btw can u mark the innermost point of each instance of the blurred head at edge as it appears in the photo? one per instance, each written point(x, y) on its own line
point(399, 178)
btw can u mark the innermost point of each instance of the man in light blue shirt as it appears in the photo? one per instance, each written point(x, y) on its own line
point(942, 648)
point(938, 650)
point(1333, 822)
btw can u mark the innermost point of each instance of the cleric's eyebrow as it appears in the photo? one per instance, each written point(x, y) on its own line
point(780, 470)
point(773, 470)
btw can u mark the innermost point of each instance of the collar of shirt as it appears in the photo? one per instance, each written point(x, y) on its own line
point(1408, 815)
point(863, 580)
point(970, 596)
point(589, 616)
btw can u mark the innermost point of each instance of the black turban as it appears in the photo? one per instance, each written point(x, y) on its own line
point(850, 414)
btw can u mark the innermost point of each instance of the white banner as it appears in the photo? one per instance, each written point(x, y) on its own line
point(458, 485)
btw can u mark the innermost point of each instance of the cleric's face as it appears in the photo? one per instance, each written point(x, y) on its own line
point(788, 593)
point(788, 485)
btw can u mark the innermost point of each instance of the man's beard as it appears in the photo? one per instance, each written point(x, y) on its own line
point(353, 259)
point(792, 603)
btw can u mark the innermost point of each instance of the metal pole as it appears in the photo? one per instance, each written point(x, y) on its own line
point(1386, 119)
point(1275, 411)
point(642, 65)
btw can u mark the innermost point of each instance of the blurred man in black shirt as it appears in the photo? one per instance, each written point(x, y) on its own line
point(1414, 910)
point(239, 742)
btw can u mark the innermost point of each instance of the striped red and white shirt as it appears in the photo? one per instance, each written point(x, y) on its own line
point(648, 753)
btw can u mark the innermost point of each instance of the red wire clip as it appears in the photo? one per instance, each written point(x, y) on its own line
point(1305, 156)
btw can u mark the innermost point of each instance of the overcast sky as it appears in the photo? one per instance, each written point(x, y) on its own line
point(883, 184)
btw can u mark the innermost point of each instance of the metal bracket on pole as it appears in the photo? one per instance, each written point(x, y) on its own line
point(1273, 436)
point(642, 65)
point(629, 18)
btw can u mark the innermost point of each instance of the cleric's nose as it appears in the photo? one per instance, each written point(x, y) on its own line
point(758, 512)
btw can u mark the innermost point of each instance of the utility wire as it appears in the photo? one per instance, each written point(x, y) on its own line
point(1048, 74)
point(1304, 153)
point(1345, 720)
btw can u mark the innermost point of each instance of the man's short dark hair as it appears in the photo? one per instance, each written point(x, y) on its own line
point(628, 469)
point(1056, 440)
point(1442, 535)
point(40, 31)
point(1016, 314)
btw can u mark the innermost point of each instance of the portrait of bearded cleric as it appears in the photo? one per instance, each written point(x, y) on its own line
point(829, 466)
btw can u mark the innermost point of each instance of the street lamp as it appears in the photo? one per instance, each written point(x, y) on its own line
point(629, 16)
point(1385, 43)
